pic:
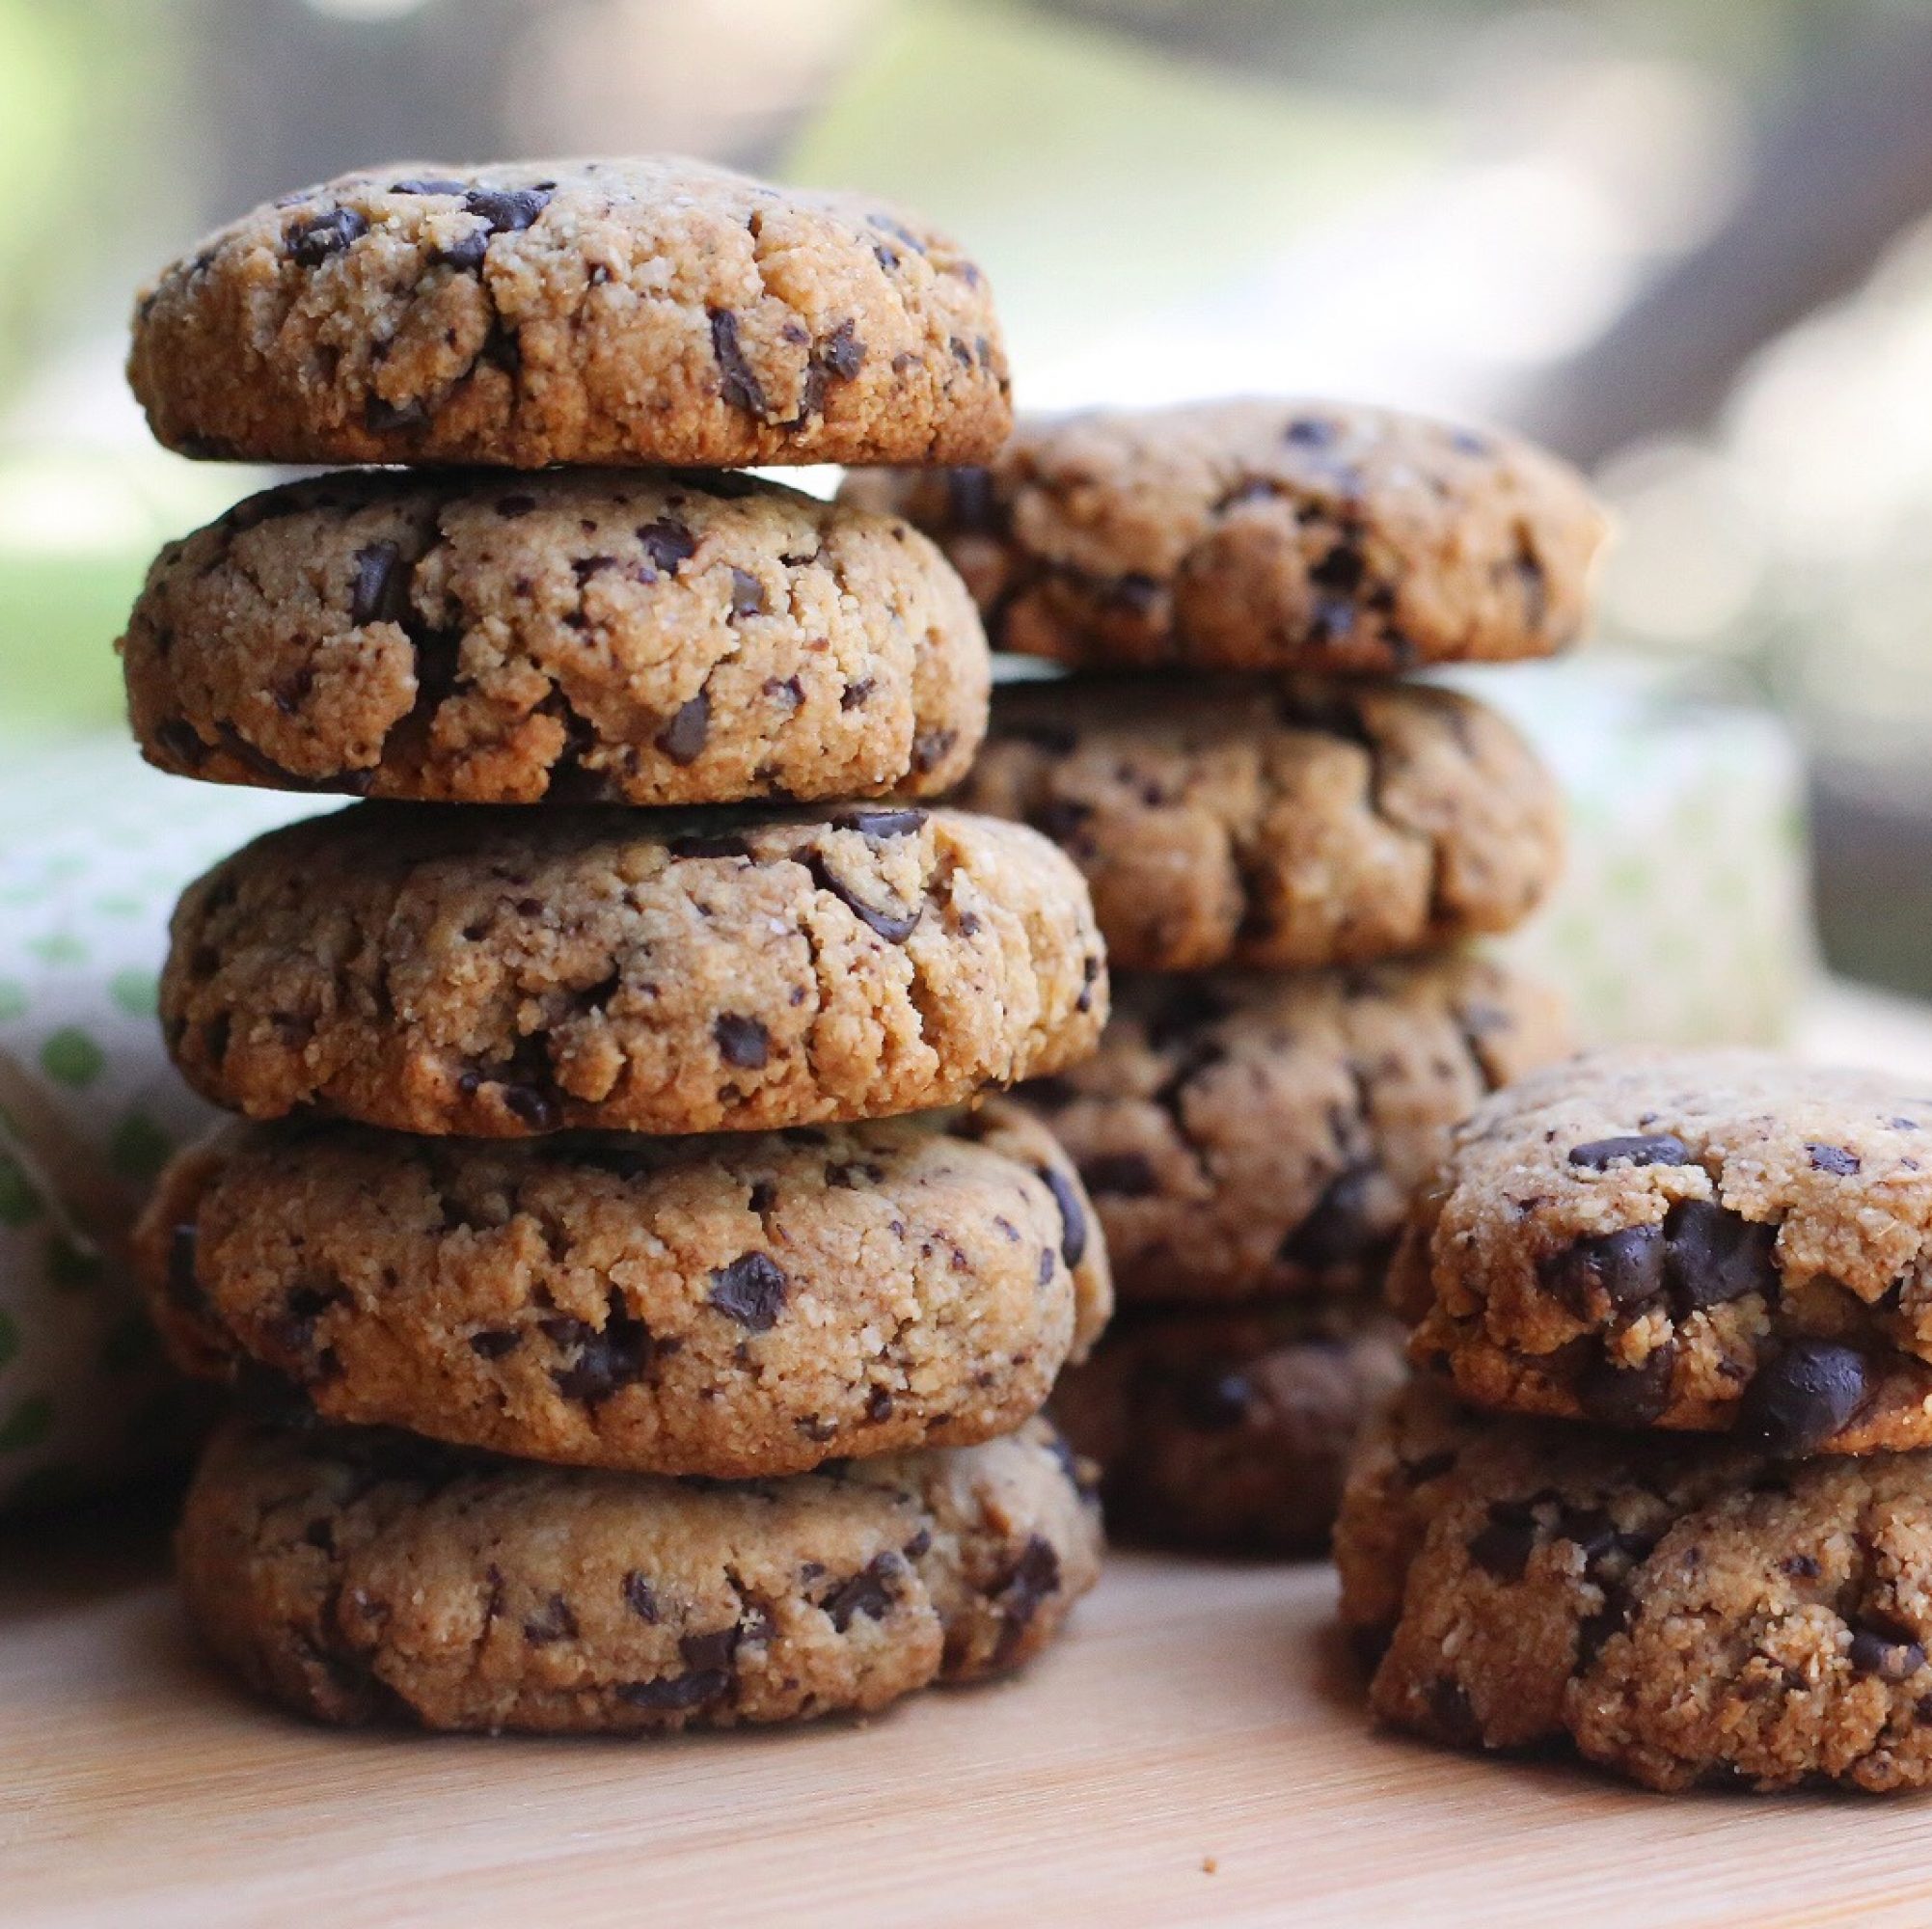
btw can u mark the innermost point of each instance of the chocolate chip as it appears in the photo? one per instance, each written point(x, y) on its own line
point(1892, 1656)
point(1798, 1401)
point(465, 254)
point(639, 1597)
point(881, 824)
point(381, 415)
point(1502, 1547)
point(741, 1040)
point(495, 1342)
point(1590, 1530)
point(667, 542)
point(1341, 571)
point(879, 1406)
point(1839, 1160)
point(1639, 1148)
point(842, 353)
point(537, 1108)
point(1620, 1395)
point(1593, 1630)
point(1035, 1576)
point(854, 692)
point(751, 1291)
point(1123, 1175)
point(709, 1652)
point(682, 740)
point(1801, 1566)
point(616, 1355)
point(895, 926)
point(1712, 1255)
point(1340, 1229)
point(1308, 432)
point(1454, 1715)
point(1072, 1219)
point(738, 387)
point(868, 1593)
point(379, 592)
point(676, 1691)
point(930, 748)
point(428, 184)
point(554, 1621)
point(310, 243)
point(716, 843)
point(179, 738)
point(747, 594)
point(507, 209)
point(1626, 1268)
point(510, 507)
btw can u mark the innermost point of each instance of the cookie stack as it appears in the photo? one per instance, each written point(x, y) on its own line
point(1667, 1494)
point(1287, 844)
point(578, 1063)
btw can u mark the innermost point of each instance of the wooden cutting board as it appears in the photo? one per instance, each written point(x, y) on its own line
point(1194, 1753)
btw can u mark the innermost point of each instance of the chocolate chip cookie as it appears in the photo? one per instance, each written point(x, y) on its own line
point(1263, 535)
point(1230, 1431)
point(1688, 1614)
point(652, 310)
point(1688, 1239)
point(735, 1306)
point(359, 1575)
point(1249, 1137)
point(1233, 825)
point(622, 636)
point(497, 973)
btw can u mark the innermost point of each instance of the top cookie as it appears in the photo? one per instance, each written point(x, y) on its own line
point(1688, 1239)
point(1263, 535)
point(627, 635)
point(648, 309)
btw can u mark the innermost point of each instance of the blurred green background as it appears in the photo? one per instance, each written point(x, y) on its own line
point(1689, 242)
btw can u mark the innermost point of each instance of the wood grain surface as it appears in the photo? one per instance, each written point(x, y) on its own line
point(1194, 1753)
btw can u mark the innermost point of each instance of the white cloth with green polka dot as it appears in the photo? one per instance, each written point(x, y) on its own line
point(94, 849)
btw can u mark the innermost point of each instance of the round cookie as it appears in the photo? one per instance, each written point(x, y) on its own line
point(500, 973)
point(1328, 824)
point(359, 1575)
point(1688, 1239)
point(622, 635)
point(1263, 535)
point(732, 1306)
point(1259, 1138)
point(1686, 1614)
point(529, 312)
point(1229, 1432)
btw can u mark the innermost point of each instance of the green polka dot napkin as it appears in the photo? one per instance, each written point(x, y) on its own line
point(94, 849)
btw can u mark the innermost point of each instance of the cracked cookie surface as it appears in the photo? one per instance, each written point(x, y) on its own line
point(1230, 1431)
point(650, 310)
point(1688, 1239)
point(1689, 1614)
point(496, 973)
point(1263, 535)
point(622, 636)
point(1249, 1137)
point(359, 1575)
point(727, 1306)
point(1320, 824)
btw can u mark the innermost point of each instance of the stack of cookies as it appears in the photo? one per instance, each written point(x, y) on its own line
point(1287, 845)
point(624, 1358)
point(1688, 1525)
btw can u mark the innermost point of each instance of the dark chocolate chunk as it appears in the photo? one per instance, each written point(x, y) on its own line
point(1623, 1396)
point(494, 1343)
point(841, 353)
point(895, 926)
point(747, 594)
point(738, 387)
point(1308, 432)
point(676, 1692)
point(466, 253)
point(1712, 1255)
point(310, 243)
point(428, 184)
point(640, 1597)
point(1035, 1576)
point(869, 1592)
point(751, 1291)
point(619, 1354)
point(380, 590)
point(667, 542)
point(1892, 1655)
point(682, 740)
point(1795, 1402)
point(741, 1040)
point(507, 209)
point(535, 1107)
point(553, 1621)
point(1626, 1268)
point(1502, 1547)
point(1637, 1148)
point(1072, 1219)
point(1839, 1160)
point(879, 824)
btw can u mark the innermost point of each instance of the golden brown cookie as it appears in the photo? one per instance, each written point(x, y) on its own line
point(617, 635)
point(738, 1306)
point(1688, 1239)
point(1263, 535)
point(528, 312)
point(1248, 1137)
point(358, 1575)
point(501, 973)
point(1230, 1431)
point(1689, 1614)
point(1228, 825)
